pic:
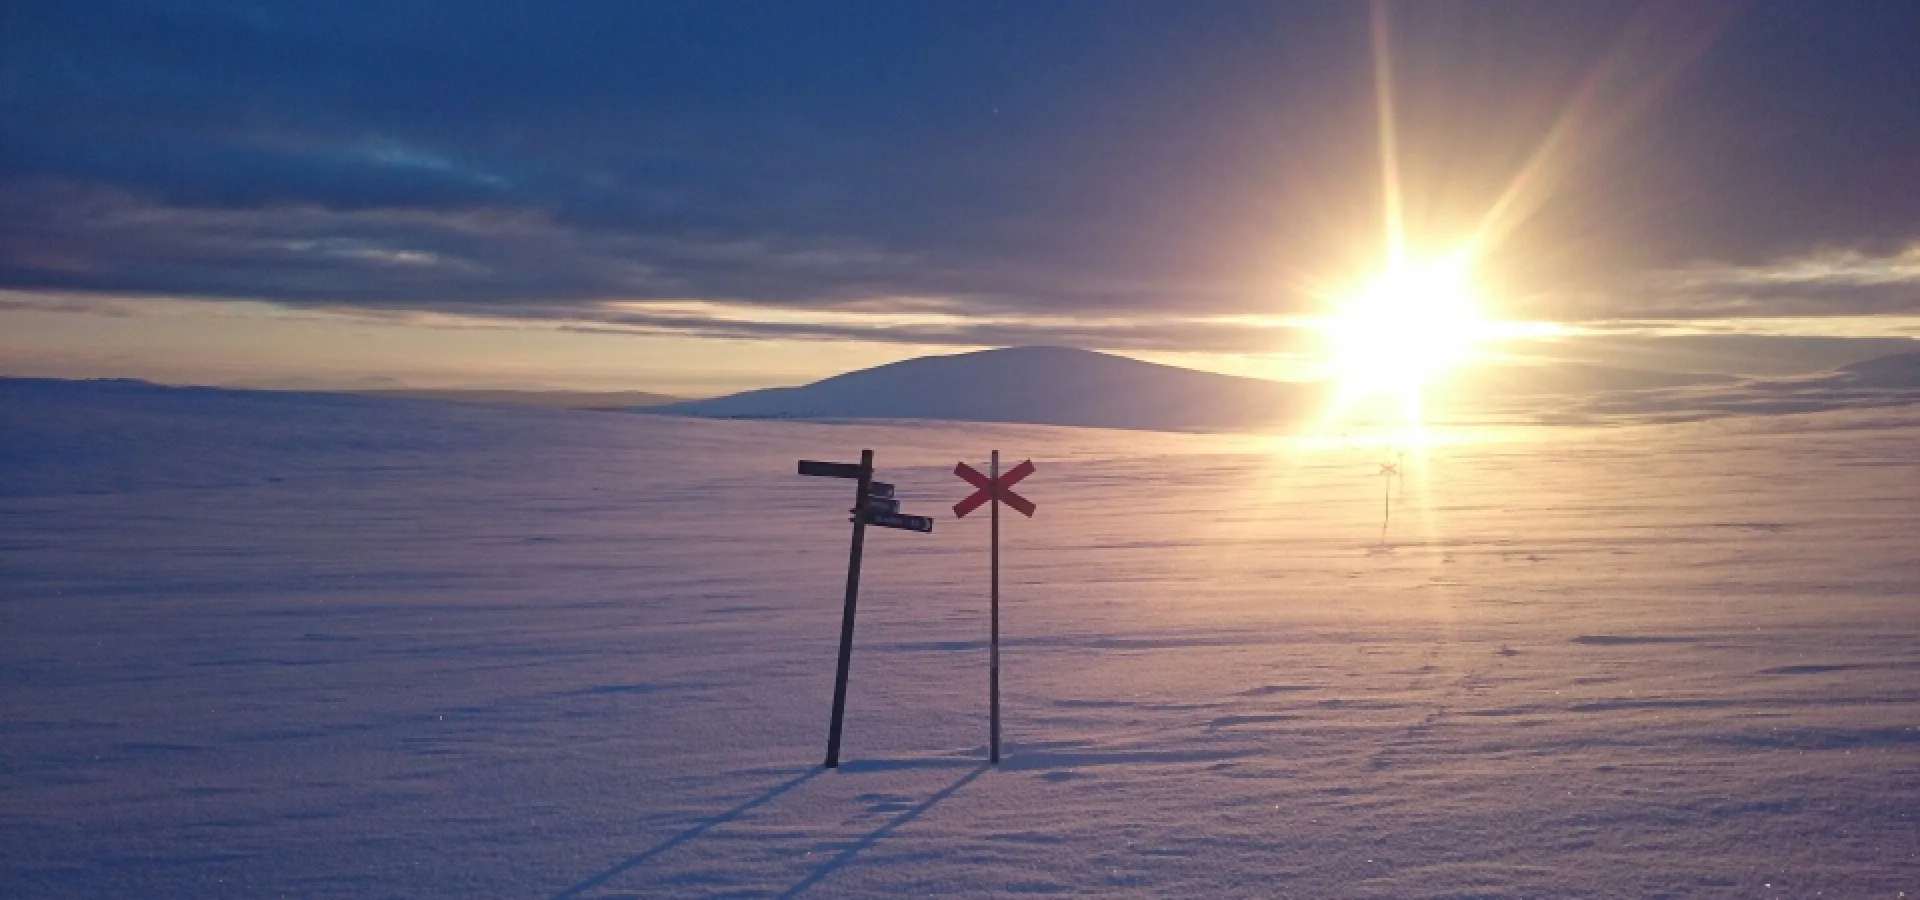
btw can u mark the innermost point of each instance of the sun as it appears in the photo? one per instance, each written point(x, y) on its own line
point(1411, 324)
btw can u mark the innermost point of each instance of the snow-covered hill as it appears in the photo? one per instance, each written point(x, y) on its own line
point(1887, 381)
point(1062, 386)
point(1043, 385)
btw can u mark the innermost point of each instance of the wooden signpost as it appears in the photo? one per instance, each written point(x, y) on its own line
point(994, 487)
point(873, 504)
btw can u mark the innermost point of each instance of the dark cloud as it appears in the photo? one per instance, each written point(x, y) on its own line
point(1151, 336)
point(1093, 159)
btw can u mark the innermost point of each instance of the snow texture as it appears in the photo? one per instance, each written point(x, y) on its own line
point(258, 645)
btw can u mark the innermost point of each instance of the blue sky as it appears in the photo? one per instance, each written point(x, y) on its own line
point(706, 195)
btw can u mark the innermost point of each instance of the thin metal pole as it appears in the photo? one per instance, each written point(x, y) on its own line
point(1386, 508)
point(994, 678)
point(846, 618)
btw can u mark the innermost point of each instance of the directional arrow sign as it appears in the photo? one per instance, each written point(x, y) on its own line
point(900, 520)
point(834, 469)
point(987, 489)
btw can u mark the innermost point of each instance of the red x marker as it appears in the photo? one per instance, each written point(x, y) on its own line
point(987, 489)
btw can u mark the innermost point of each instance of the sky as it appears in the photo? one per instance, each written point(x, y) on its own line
point(700, 197)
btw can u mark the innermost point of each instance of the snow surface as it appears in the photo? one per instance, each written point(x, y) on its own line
point(260, 645)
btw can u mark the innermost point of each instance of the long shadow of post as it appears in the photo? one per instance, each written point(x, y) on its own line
point(630, 862)
point(834, 864)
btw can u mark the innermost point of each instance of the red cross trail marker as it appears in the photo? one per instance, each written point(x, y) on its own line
point(994, 486)
point(986, 487)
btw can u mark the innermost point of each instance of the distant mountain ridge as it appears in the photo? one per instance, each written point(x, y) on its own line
point(1881, 382)
point(1901, 371)
point(551, 399)
point(1036, 385)
point(1065, 386)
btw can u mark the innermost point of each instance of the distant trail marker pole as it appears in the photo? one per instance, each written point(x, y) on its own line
point(873, 503)
point(994, 487)
point(1388, 472)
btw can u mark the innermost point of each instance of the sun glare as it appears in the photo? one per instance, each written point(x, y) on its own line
point(1408, 326)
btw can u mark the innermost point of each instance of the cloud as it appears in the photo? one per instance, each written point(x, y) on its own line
point(1831, 268)
point(1057, 175)
point(1834, 284)
point(503, 261)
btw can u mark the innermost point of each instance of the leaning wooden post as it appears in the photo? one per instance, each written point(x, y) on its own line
point(874, 504)
point(846, 616)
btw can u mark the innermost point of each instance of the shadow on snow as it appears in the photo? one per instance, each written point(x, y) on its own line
point(834, 864)
point(635, 860)
point(825, 869)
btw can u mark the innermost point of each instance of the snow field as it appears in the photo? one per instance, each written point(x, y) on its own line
point(277, 645)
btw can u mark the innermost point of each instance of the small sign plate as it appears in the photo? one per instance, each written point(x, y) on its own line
point(901, 521)
point(830, 469)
